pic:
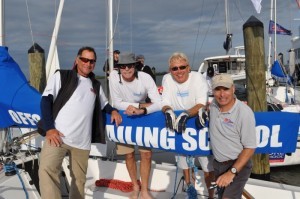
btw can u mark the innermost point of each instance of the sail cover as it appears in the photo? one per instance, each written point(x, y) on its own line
point(19, 102)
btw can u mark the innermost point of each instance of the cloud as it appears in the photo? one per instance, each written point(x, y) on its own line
point(154, 28)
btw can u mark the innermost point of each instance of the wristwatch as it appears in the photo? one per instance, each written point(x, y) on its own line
point(233, 170)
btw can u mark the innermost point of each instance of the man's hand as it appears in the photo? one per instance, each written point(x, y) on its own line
point(202, 119)
point(131, 110)
point(116, 117)
point(170, 119)
point(53, 136)
point(181, 122)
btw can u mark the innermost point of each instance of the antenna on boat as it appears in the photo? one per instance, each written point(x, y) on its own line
point(227, 43)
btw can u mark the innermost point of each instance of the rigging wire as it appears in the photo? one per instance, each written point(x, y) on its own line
point(201, 11)
point(239, 10)
point(205, 35)
point(29, 21)
point(108, 40)
point(130, 26)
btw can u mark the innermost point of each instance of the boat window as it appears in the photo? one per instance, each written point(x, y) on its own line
point(222, 67)
point(234, 65)
point(215, 66)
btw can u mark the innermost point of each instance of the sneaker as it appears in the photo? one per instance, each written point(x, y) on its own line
point(191, 192)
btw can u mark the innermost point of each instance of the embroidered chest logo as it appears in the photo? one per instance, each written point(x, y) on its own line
point(183, 94)
point(228, 122)
point(136, 94)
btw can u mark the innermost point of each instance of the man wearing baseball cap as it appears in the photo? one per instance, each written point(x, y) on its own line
point(129, 89)
point(232, 137)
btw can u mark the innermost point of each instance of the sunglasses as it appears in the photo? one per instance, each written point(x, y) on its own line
point(175, 68)
point(86, 60)
point(128, 66)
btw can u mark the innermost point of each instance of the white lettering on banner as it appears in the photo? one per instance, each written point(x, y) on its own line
point(110, 129)
point(191, 143)
point(128, 132)
point(24, 118)
point(204, 143)
point(139, 135)
point(275, 136)
point(120, 134)
point(166, 142)
point(14, 117)
point(152, 136)
point(263, 134)
point(193, 139)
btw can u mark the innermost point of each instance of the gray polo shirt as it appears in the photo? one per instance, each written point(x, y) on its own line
point(232, 131)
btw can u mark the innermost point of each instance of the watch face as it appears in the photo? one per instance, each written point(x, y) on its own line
point(233, 170)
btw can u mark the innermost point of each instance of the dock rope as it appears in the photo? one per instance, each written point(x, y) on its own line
point(116, 184)
point(119, 185)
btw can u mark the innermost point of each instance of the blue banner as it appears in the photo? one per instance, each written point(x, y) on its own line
point(276, 132)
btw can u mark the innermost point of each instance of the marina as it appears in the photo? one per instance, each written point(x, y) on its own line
point(106, 177)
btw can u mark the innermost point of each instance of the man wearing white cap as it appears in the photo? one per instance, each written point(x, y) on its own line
point(232, 136)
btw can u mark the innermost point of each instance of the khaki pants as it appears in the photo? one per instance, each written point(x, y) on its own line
point(50, 170)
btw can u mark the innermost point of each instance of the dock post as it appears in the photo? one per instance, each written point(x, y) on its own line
point(37, 71)
point(253, 31)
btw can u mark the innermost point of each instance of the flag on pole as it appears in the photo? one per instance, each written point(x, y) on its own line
point(257, 5)
point(279, 29)
point(298, 3)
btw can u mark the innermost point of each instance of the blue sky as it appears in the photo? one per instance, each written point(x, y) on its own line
point(154, 28)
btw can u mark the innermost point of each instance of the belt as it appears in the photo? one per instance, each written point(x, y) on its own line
point(226, 162)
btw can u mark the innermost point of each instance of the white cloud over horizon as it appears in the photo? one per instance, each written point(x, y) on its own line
point(154, 28)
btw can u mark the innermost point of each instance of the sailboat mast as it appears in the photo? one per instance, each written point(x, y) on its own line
point(110, 35)
point(275, 33)
point(226, 17)
point(2, 27)
point(270, 40)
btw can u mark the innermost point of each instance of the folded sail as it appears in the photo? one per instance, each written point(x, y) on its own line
point(19, 102)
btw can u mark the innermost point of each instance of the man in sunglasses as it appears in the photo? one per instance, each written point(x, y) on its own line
point(185, 90)
point(78, 123)
point(129, 89)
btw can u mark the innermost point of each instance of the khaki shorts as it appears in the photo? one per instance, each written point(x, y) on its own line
point(123, 149)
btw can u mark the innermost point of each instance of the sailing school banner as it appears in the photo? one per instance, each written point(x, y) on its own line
point(276, 133)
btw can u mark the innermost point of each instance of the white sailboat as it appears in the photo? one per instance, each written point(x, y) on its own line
point(165, 180)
